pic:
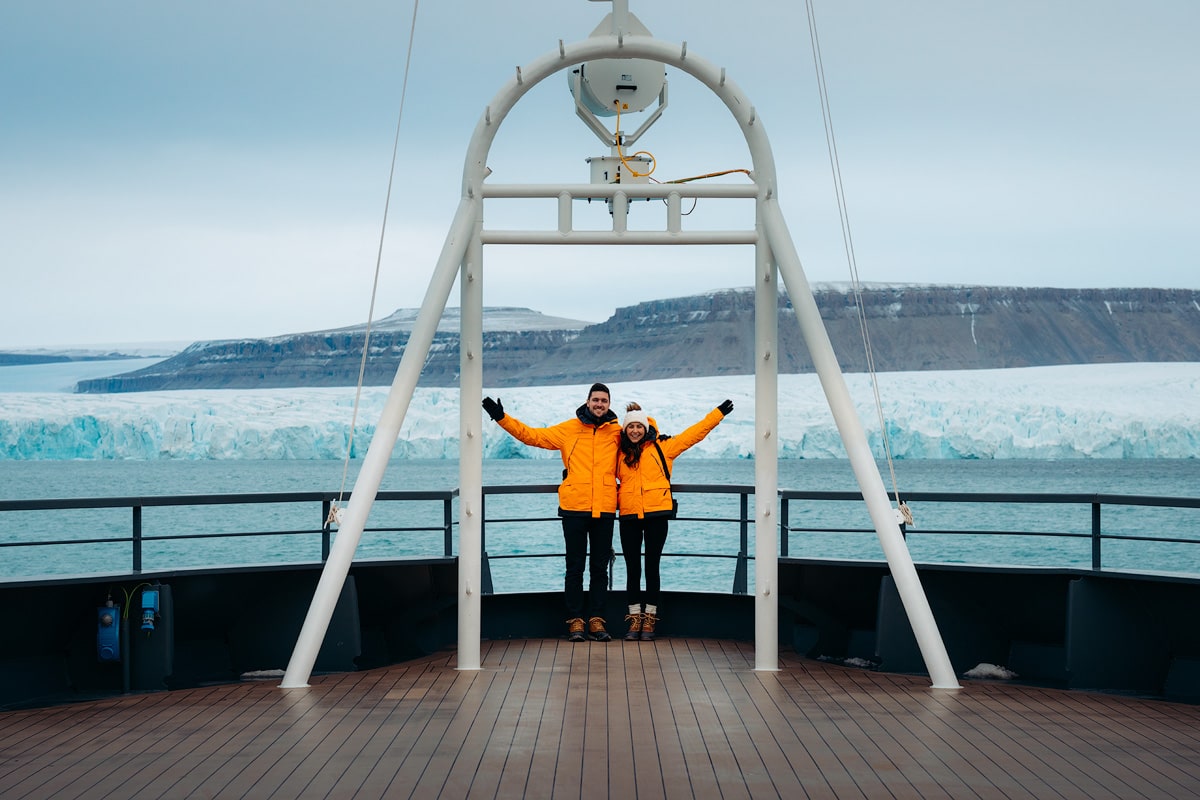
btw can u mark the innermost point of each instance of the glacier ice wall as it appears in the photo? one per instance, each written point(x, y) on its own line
point(1097, 411)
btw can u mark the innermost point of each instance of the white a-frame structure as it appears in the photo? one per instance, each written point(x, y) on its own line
point(462, 257)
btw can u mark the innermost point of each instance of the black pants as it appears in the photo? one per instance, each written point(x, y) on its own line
point(578, 533)
point(634, 531)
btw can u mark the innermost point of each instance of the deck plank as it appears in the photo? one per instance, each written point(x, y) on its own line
point(571, 719)
point(687, 737)
point(340, 771)
point(283, 747)
point(736, 777)
point(644, 762)
point(108, 743)
point(514, 775)
point(672, 718)
point(414, 719)
point(905, 749)
point(312, 764)
point(460, 698)
point(497, 744)
point(169, 744)
point(594, 754)
point(791, 756)
point(756, 727)
point(619, 674)
point(544, 762)
point(1085, 757)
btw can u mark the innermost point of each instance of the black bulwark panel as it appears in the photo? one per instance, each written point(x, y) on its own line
point(1131, 633)
point(1081, 629)
point(215, 626)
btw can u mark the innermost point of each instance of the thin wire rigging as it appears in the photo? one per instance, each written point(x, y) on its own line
point(362, 366)
point(848, 244)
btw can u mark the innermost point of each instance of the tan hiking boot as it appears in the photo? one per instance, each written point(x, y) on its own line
point(575, 630)
point(596, 629)
point(649, 620)
point(635, 626)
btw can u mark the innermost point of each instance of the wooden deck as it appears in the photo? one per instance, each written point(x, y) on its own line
point(545, 718)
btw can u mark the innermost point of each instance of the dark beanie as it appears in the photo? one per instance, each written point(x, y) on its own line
point(599, 387)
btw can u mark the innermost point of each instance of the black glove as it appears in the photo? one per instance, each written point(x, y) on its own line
point(725, 407)
point(493, 407)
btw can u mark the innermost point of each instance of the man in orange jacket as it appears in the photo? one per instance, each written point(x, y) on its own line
point(587, 498)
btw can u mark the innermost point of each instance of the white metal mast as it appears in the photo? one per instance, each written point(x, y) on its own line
point(623, 38)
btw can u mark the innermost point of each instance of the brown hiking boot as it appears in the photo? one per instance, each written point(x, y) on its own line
point(575, 630)
point(648, 622)
point(635, 626)
point(596, 629)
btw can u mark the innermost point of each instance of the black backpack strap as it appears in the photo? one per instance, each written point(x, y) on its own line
point(663, 459)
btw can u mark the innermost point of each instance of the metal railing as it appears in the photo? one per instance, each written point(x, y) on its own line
point(1095, 503)
point(789, 502)
point(137, 539)
point(742, 557)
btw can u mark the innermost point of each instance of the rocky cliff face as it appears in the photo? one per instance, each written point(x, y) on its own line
point(326, 359)
point(910, 328)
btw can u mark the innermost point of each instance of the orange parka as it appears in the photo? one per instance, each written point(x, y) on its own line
point(646, 488)
point(589, 455)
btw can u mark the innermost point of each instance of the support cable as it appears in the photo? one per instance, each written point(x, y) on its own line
point(848, 244)
point(334, 514)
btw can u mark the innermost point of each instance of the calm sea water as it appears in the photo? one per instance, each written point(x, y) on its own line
point(524, 553)
point(62, 377)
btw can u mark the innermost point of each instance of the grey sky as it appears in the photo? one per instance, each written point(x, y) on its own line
point(182, 171)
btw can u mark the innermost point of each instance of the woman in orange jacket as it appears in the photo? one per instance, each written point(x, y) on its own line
point(644, 497)
point(587, 499)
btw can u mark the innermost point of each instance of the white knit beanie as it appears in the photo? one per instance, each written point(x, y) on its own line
point(636, 416)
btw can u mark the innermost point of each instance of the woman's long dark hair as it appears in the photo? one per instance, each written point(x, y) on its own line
point(631, 452)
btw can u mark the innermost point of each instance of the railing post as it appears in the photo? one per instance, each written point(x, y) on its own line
point(485, 567)
point(784, 522)
point(1096, 559)
point(448, 528)
point(739, 573)
point(326, 507)
point(137, 538)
